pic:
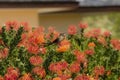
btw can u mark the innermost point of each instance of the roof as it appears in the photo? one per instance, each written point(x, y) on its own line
point(86, 3)
point(37, 3)
point(99, 2)
point(37, 0)
point(81, 4)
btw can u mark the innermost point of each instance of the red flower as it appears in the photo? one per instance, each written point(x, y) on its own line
point(26, 26)
point(89, 51)
point(82, 77)
point(80, 56)
point(33, 49)
point(93, 33)
point(13, 24)
point(72, 30)
point(116, 44)
point(24, 41)
point(0, 29)
point(107, 33)
point(4, 53)
point(12, 74)
point(51, 29)
point(99, 70)
point(58, 66)
point(74, 67)
point(39, 71)
point(42, 50)
point(54, 67)
point(65, 76)
point(83, 25)
point(64, 64)
point(36, 60)
point(39, 30)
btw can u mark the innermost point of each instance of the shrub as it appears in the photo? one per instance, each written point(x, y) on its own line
point(32, 54)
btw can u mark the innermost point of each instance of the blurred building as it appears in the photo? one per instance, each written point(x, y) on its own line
point(31, 10)
point(58, 13)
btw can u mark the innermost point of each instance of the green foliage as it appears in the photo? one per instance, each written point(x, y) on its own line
point(18, 56)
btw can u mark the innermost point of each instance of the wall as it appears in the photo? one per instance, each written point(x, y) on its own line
point(29, 15)
point(61, 21)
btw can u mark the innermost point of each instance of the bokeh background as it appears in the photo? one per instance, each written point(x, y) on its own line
point(60, 14)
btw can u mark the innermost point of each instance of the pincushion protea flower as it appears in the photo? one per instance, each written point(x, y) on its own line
point(36, 60)
point(1, 78)
point(12, 74)
point(89, 51)
point(26, 77)
point(74, 67)
point(83, 25)
point(72, 30)
point(63, 46)
point(39, 71)
point(116, 43)
point(4, 53)
point(91, 44)
point(57, 78)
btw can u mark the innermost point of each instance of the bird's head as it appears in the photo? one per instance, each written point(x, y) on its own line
point(62, 36)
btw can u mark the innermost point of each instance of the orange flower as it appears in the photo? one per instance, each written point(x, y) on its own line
point(119, 78)
point(59, 73)
point(57, 78)
point(102, 41)
point(40, 39)
point(64, 42)
point(63, 46)
point(52, 34)
point(108, 72)
point(1, 78)
point(26, 77)
point(82, 77)
point(91, 44)
point(65, 76)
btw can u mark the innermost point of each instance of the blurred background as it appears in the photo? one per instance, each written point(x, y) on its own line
point(60, 14)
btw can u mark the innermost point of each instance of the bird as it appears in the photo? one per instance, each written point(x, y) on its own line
point(61, 37)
